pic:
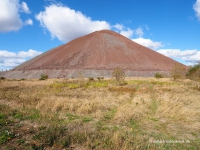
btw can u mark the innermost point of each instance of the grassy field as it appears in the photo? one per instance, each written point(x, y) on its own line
point(66, 114)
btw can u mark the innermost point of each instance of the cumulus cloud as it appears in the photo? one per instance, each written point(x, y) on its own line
point(7, 54)
point(10, 63)
point(9, 15)
point(190, 56)
point(139, 32)
point(118, 26)
point(28, 22)
point(67, 24)
point(24, 8)
point(127, 33)
point(21, 54)
point(148, 43)
point(177, 53)
point(196, 8)
point(193, 58)
point(11, 59)
point(29, 54)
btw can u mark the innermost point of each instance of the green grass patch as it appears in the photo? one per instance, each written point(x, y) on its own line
point(72, 117)
point(86, 119)
point(133, 123)
point(149, 82)
point(5, 136)
point(73, 86)
point(97, 84)
point(21, 141)
point(79, 83)
point(154, 119)
point(33, 114)
point(2, 119)
point(69, 85)
point(49, 136)
point(154, 106)
point(17, 115)
point(110, 114)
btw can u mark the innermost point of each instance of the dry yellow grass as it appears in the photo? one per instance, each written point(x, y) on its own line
point(133, 116)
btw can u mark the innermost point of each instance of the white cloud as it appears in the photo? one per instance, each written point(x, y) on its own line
point(146, 26)
point(127, 33)
point(24, 8)
point(191, 56)
point(148, 43)
point(196, 8)
point(121, 29)
point(67, 24)
point(12, 62)
point(11, 59)
point(21, 54)
point(9, 15)
point(139, 32)
point(29, 54)
point(28, 22)
point(9, 64)
point(176, 53)
point(118, 26)
point(6, 54)
point(51, 1)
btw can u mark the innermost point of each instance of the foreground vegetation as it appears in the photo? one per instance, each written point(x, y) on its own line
point(99, 114)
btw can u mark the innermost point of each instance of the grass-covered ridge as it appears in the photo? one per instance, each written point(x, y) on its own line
point(144, 113)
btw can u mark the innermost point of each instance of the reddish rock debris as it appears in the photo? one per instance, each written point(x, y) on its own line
point(95, 54)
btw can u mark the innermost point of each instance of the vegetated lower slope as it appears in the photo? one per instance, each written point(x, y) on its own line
point(81, 114)
point(93, 54)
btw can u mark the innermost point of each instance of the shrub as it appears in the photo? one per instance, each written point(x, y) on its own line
point(91, 79)
point(44, 77)
point(178, 71)
point(119, 76)
point(194, 72)
point(81, 81)
point(2, 78)
point(158, 75)
point(100, 78)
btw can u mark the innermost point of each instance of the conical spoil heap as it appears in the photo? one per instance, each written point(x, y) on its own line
point(95, 55)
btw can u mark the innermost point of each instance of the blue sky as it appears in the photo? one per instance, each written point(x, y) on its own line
point(30, 27)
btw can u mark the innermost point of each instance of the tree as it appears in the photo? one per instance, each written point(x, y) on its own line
point(119, 76)
point(158, 75)
point(178, 71)
point(44, 77)
point(194, 72)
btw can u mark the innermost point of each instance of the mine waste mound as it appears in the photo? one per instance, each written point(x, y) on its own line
point(95, 55)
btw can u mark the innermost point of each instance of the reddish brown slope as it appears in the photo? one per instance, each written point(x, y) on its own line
point(100, 50)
